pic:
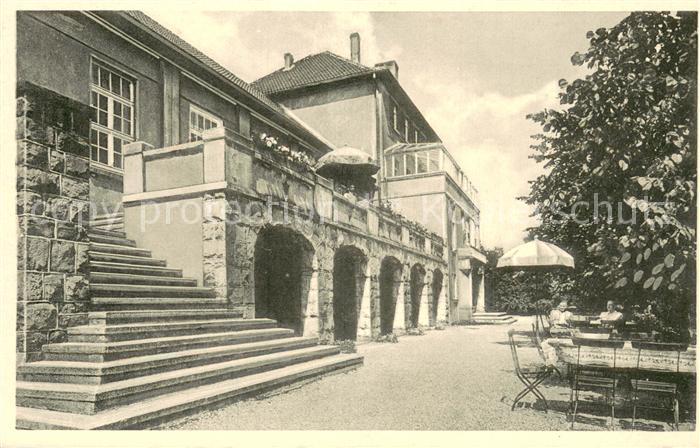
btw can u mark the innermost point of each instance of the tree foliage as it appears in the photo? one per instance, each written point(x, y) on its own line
point(620, 159)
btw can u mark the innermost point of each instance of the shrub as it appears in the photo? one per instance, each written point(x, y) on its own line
point(414, 331)
point(389, 337)
point(346, 346)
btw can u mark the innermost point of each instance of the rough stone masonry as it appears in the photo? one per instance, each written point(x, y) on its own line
point(53, 170)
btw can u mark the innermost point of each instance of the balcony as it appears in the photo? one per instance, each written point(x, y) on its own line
point(228, 162)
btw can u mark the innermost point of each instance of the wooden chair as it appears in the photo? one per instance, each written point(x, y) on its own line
point(531, 377)
point(656, 382)
point(598, 378)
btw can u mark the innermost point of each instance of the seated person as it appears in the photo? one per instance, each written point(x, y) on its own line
point(611, 315)
point(560, 316)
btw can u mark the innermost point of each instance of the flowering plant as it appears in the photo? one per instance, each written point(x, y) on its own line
point(387, 207)
point(299, 158)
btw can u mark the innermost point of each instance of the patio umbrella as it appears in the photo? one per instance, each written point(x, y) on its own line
point(537, 256)
point(346, 162)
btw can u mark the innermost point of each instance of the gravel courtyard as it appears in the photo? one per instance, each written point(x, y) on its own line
point(460, 378)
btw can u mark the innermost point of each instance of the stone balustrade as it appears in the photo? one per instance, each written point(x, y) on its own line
point(228, 160)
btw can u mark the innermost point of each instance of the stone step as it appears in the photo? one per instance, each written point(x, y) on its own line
point(507, 321)
point(489, 314)
point(108, 224)
point(107, 219)
point(117, 214)
point(167, 406)
point(110, 351)
point(123, 268)
point(117, 226)
point(112, 290)
point(133, 279)
point(109, 233)
point(123, 317)
point(90, 399)
point(101, 238)
point(125, 259)
point(122, 369)
point(154, 303)
point(492, 317)
point(135, 331)
point(120, 250)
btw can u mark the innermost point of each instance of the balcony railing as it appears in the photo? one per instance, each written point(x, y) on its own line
point(226, 160)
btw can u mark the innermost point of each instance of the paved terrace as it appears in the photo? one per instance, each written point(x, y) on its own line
point(457, 379)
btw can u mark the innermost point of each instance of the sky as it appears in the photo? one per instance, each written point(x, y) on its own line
point(474, 75)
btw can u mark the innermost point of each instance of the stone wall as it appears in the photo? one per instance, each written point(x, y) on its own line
point(53, 170)
point(236, 208)
point(236, 242)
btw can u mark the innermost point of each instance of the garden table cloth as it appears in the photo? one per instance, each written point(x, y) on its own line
point(564, 351)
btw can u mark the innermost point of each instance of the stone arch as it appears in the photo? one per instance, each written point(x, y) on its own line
point(349, 279)
point(283, 271)
point(389, 284)
point(435, 291)
point(417, 284)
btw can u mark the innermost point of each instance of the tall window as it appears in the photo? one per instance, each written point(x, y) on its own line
point(405, 130)
point(433, 160)
point(200, 121)
point(395, 118)
point(399, 166)
point(422, 162)
point(410, 163)
point(112, 126)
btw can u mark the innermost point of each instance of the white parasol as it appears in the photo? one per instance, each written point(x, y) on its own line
point(536, 254)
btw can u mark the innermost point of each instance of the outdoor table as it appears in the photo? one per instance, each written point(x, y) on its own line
point(563, 350)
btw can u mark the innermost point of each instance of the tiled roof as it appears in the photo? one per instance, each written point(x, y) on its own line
point(174, 39)
point(406, 147)
point(314, 69)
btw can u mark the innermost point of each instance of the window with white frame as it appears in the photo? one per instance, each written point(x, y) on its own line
point(410, 163)
point(399, 165)
point(422, 162)
point(395, 118)
point(405, 130)
point(200, 121)
point(434, 160)
point(112, 102)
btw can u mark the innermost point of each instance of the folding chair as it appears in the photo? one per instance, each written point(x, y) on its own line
point(656, 382)
point(537, 340)
point(544, 324)
point(592, 377)
point(531, 377)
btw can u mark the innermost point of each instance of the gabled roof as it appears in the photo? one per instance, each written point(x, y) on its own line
point(313, 69)
point(327, 67)
point(174, 39)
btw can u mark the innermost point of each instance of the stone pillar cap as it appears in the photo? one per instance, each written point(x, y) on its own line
point(136, 148)
point(214, 133)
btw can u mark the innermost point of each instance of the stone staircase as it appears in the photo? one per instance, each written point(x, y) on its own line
point(113, 221)
point(493, 318)
point(157, 345)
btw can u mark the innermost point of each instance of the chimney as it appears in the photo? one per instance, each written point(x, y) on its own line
point(288, 61)
point(392, 66)
point(355, 47)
